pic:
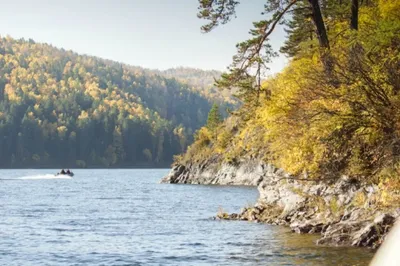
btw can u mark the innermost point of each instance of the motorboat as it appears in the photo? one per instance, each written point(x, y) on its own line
point(71, 174)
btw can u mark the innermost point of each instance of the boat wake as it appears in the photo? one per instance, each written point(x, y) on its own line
point(40, 177)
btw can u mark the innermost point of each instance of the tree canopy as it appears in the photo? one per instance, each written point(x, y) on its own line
point(214, 117)
point(334, 110)
point(58, 108)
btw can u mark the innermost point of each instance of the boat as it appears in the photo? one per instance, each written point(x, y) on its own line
point(71, 174)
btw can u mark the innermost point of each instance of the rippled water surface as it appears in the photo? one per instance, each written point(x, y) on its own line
point(124, 217)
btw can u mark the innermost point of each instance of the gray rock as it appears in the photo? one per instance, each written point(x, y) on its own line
point(250, 173)
point(373, 233)
point(306, 206)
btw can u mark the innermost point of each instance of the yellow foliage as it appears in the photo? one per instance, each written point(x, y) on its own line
point(389, 9)
point(94, 93)
point(359, 199)
point(223, 139)
point(62, 130)
point(204, 136)
point(83, 116)
point(31, 115)
point(390, 190)
point(328, 123)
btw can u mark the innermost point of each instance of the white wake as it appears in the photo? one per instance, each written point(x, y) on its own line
point(47, 176)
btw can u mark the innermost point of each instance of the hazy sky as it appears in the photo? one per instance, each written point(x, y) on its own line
point(148, 33)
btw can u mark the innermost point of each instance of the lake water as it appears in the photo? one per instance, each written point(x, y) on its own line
point(124, 217)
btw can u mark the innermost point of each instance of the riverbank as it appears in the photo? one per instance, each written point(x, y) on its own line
point(344, 211)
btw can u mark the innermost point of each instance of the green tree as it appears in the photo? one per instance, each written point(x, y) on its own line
point(314, 122)
point(253, 55)
point(63, 107)
point(299, 30)
point(214, 119)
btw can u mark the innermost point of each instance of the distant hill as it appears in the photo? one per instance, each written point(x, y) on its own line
point(202, 81)
point(61, 109)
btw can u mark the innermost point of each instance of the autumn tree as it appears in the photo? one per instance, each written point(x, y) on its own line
point(316, 123)
point(59, 108)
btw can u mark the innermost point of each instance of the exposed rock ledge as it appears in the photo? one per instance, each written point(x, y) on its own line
point(250, 173)
point(344, 212)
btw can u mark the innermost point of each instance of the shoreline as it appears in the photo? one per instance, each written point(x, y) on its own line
point(344, 212)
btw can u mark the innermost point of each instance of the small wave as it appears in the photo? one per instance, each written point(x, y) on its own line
point(39, 177)
point(196, 244)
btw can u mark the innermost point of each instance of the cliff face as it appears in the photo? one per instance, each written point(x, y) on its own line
point(344, 211)
point(210, 173)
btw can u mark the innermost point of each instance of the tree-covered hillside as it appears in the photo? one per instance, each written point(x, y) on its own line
point(58, 108)
point(334, 110)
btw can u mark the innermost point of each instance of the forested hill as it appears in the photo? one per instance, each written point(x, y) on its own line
point(61, 109)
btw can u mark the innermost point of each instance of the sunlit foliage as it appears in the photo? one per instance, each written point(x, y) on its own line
point(58, 108)
point(323, 124)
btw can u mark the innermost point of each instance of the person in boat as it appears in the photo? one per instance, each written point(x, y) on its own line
point(68, 172)
point(62, 172)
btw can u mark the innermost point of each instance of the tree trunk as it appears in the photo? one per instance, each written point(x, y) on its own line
point(322, 35)
point(319, 24)
point(354, 15)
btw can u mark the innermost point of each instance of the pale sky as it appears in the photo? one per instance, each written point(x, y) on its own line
point(156, 34)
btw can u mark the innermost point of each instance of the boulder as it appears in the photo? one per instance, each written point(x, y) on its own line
point(372, 234)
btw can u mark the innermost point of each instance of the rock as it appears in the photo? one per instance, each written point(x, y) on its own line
point(234, 216)
point(316, 228)
point(324, 227)
point(301, 228)
point(373, 233)
point(357, 230)
point(333, 208)
point(388, 254)
point(249, 173)
point(256, 211)
point(306, 227)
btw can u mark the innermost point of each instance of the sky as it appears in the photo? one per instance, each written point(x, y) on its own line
point(155, 34)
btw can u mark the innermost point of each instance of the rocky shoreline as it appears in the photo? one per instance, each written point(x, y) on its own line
point(345, 212)
point(211, 173)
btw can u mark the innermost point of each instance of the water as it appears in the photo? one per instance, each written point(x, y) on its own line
point(124, 217)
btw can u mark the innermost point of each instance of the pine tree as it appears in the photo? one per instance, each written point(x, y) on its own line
point(299, 29)
point(214, 119)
